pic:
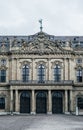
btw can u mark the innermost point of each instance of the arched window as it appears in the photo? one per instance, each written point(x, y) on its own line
point(57, 73)
point(41, 73)
point(25, 73)
point(2, 75)
point(2, 103)
point(79, 75)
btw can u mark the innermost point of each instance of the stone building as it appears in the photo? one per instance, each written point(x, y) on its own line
point(41, 73)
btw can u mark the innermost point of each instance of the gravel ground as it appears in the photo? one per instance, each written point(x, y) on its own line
point(41, 122)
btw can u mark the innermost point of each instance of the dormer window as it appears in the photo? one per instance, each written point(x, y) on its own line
point(79, 61)
point(3, 62)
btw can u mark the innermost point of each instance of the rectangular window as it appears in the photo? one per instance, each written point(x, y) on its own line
point(2, 75)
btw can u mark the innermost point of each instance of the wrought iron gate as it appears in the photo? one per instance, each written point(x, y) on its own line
point(25, 102)
point(41, 102)
point(57, 102)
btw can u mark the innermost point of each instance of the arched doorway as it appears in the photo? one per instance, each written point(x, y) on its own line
point(80, 102)
point(41, 102)
point(25, 102)
point(57, 102)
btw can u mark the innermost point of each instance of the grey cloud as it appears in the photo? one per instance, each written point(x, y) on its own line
point(60, 17)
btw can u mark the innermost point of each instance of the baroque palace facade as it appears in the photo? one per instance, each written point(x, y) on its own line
point(41, 73)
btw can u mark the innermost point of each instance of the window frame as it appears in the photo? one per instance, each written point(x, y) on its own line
point(79, 75)
point(2, 75)
point(25, 73)
point(57, 73)
point(41, 73)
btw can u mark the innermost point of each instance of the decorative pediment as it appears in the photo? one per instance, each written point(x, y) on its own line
point(42, 45)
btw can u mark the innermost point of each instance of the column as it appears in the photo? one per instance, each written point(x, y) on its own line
point(16, 101)
point(33, 103)
point(71, 101)
point(66, 101)
point(11, 101)
point(49, 102)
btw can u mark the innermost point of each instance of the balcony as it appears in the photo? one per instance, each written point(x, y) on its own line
point(35, 82)
point(78, 84)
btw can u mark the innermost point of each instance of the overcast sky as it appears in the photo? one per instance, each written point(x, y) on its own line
point(60, 17)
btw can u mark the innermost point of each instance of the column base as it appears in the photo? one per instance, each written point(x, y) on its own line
point(49, 113)
point(33, 113)
point(67, 112)
point(77, 112)
point(16, 113)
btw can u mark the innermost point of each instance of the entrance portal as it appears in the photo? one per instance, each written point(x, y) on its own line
point(80, 103)
point(57, 102)
point(25, 102)
point(41, 102)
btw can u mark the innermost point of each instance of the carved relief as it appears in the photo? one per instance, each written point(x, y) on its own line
point(42, 45)
point(25, 63)
point(40, 62)
point(56, 63)
point(78, 66)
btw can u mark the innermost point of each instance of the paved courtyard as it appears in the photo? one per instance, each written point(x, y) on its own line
point(41, 122)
